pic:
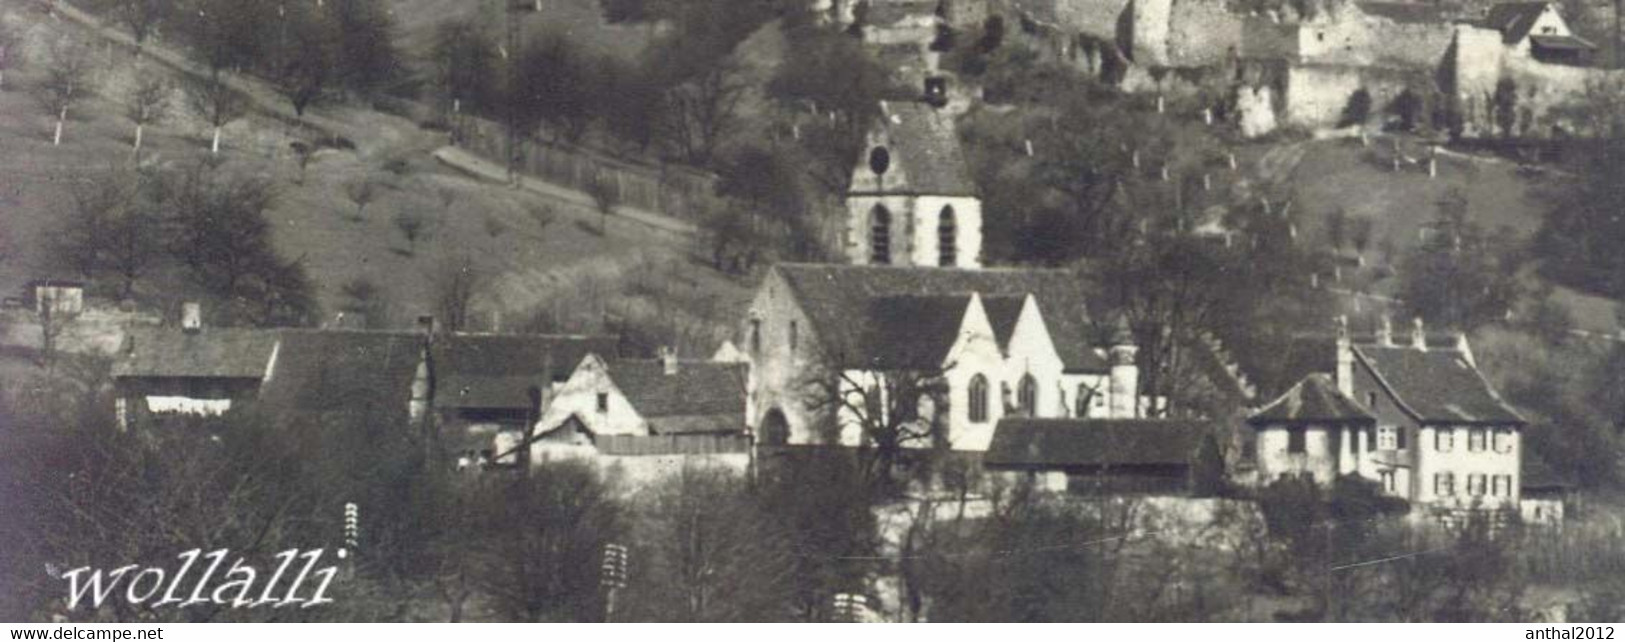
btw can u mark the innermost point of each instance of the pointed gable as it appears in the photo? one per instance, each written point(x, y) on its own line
point(1315, 399)
point(837, 299)
point(919, 151)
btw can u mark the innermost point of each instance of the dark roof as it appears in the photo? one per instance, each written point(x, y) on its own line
point(1514, 19)
point(833, 295)
point(925, 148)
point(1408, 12)
point(364, 374)
point(1003, 310)
point(498, 371)
point(235, 353)
point(1538, 475)
point(890, 12)
point(1562, 42)
point(1097, 18)
point(700, 396)
point(1020, 442)
point(1436, 385)
point(910, 332)
point(1315, 399)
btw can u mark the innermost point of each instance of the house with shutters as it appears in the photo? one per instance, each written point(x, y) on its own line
point(1415, 416)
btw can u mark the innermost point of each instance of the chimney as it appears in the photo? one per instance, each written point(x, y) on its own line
point(1123, 384)
point(668, 360)
point(1419, 337)
point(1345, 358)
point(1385, 332)
point(191, 317)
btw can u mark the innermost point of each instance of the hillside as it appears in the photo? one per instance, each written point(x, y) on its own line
point(536, 247)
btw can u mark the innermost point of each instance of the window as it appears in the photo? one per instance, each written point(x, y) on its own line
point(603, 402)
point(1476, 484)
point(1444, 439)
point(1402, 432)
point(755, 335)
point(1086, 396)
point(1503, 440)
point(978, 399)
point(1444, 484)
point(1501, 485)
point(1387, 438)
point(1295, 439)
point(1371, 401)
point(1389, 483)
point(1477, 440)
point(1027, 395)
point(795, 335)
point(946, 238)
point(880, 236)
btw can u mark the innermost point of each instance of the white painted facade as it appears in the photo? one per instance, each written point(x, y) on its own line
point(591, 396)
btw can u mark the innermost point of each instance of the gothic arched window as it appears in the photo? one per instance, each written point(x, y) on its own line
point(1027, 396)
point(977, 391)
point(880, 236)
point(946, 237)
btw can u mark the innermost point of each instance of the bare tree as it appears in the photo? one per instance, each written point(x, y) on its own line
point(113, 228)
point(140, 16)
point(363, 191)
point(146, 104)
point(703, 109)
point(605, 196)
point(67, 76)
point(893, 411)
point(219, 104)
point(457, 283)
point(711, 553)
point(413, 224)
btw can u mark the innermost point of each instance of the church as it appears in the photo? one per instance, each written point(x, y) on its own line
point(913, 312)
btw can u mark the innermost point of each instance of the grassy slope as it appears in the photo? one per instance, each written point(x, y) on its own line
point(313, 219)
point(1328, 175)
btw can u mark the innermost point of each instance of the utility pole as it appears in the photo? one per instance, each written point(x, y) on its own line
point(612, 575)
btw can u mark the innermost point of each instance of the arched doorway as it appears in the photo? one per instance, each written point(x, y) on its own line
point(775, 430)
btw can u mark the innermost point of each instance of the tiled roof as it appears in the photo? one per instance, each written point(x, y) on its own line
point(1562, 42)
point(891, 12)
point(1072, 443)
point(697, 389)
point(1408, 12)
point(498, 371)
point(1315, 399)
point(1003, 310)
point(925, 146)
point(359, 374)
point(237, 353)
point(1436, 385)
point(1514, 19)
point(1538, 475)
point(910, 332)
point(833, 295)
point(1097, 18)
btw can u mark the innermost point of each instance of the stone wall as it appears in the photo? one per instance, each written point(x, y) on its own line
point(1481, 60)
point(1203, 33)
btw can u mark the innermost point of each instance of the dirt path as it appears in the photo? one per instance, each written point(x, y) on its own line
point(478, 167)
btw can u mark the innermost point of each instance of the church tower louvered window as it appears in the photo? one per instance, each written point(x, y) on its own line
point(880, 236)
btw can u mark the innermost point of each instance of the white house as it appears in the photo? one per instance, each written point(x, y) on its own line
point(1416, 417)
